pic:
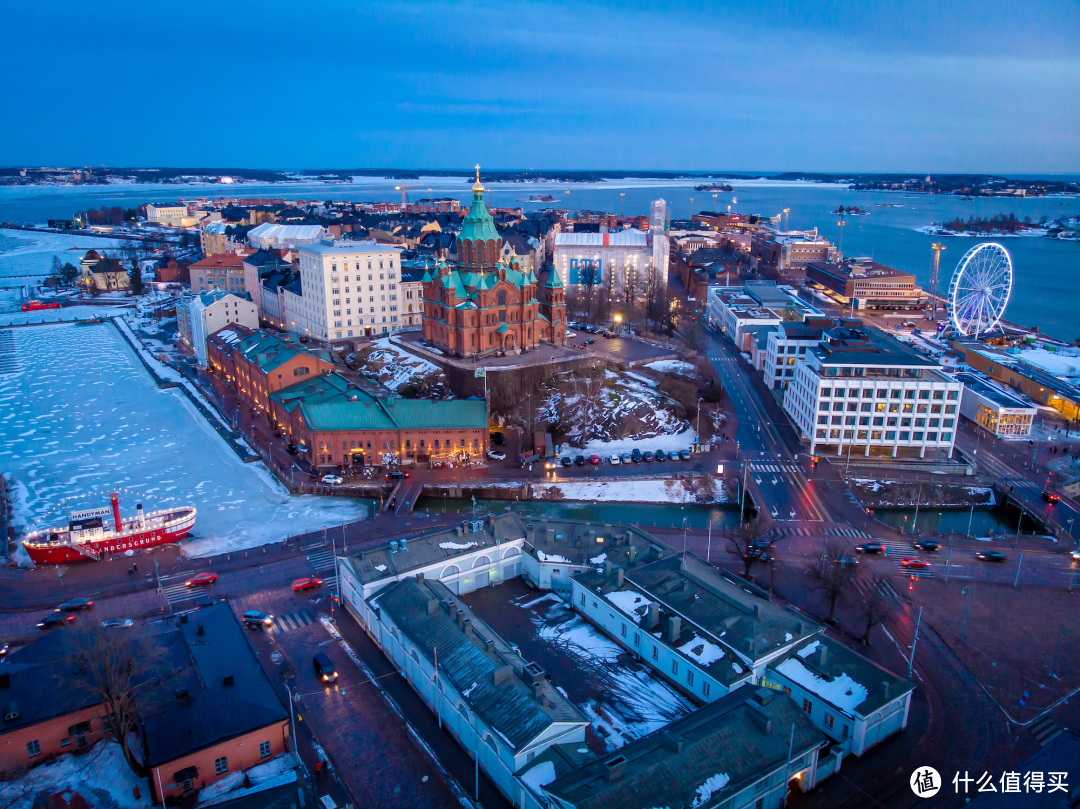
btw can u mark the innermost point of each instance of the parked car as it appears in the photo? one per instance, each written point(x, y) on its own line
point(661, 455)
point(566, 460)
point(684, 454)
point(253, 619)
point(579, 460)
point(498, 438)
point(324, 667)
point(594, 460)
point(55, 620)
point(117, 622)
point(201, 579)
point(614, 460)
point(332, 479)
point(626, 458)
point(927, 544)
point(307, 583)
point(914, 563)
point(869, 547)
point(397, 474)
point(992, 556)
point(495, 455)
point(75, 605)
point(647, 456)
point(590, 341)
point(636, 456)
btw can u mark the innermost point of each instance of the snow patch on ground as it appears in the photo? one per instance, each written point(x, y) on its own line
point(673, 367)
point(681, 440)
point(632, 491)
point(394, 367)
point(102, 777)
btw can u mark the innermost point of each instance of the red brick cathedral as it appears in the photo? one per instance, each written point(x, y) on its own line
point(481, 305)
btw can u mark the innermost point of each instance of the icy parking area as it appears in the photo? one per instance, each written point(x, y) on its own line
point(80, 415)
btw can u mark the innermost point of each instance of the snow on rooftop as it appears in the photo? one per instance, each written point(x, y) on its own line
point(598, 560)
point(808, 650)
point(842, 691)
point(1053, 362)
point(703, 651)
point(101, 776)
point(457, 546)
point(631, 602)
point(380, 568)
point(539, 776)
point(551, 557)
point(711, 785)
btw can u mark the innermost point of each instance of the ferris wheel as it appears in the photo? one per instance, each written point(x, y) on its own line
point(980, 289)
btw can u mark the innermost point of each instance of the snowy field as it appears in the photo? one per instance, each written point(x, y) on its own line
point(79, 415)
point(676, 441)
point(64, 314)
point(630, 491)
point(633, 703)
point(673, 367)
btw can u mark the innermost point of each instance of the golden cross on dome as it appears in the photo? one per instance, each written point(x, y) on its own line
point(477, 172)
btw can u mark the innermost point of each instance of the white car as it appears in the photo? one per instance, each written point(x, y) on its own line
point(495, 455)
point(614, 460)
point(332, 479)
point(570, 334)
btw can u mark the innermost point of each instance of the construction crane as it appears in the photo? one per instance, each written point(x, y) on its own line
point(404, 196)
point(937, 248)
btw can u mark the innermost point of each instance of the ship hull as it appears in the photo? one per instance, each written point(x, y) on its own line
point(46, 553)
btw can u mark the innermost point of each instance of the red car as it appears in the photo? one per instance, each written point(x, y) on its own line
point(914, 562)
point(310, 583)
point(594, 460)
point(1050, 497)
point(202, 578)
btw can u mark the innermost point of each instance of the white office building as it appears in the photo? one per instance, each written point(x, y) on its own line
point(347, 289)
point(861, 391)
point(787, 347)
point(204, 314)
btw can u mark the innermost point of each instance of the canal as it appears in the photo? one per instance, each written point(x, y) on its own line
point(643, 514)
point(998, 521)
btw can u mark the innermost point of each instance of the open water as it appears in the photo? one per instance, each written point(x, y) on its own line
point(1045, 292)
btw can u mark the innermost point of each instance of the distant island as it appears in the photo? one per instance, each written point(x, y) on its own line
point(851, 210)
point(967, 186)
point(997, 226)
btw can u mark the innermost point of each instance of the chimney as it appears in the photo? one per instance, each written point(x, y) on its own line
point(419, 578)
point(631, 555)
point(654, 615)
point(538, 689)
point(432, 606)
point(674, 628)
point(798, 628)
point(489, 645)
point(182, 696)
point(686, 585)
point(550, 536)
point(615, 768)
point(229, 680)
point(670, 742)
point(761, 718)
point(466, 624)
point(607, 570)
point(756, 611)
point(822, 655)
point(530, 534)
point(201, 630)
point(618, 577)
point(592, 537)
point(501, 674)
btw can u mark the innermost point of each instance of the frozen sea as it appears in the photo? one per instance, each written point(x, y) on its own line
point(79, 415)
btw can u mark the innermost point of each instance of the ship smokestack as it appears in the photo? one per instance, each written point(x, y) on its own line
point(114, 498)
point(139, 515)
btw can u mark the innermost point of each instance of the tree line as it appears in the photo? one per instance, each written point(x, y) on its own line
point(1001, 223)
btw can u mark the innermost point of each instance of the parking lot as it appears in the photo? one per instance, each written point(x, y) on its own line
point(620, 348)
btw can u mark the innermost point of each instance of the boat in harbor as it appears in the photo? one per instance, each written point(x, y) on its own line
point(35, 305)
point(94, 533)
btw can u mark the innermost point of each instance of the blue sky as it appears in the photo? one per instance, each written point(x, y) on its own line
point(815, 86)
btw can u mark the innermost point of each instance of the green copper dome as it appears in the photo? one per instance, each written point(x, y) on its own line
point(478, 224)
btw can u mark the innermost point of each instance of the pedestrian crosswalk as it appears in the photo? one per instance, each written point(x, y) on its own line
point(794, 532)
point(847, 532)
point(894, 546)
point(294, 620)
point(175, 593)
point(865, 586)
point(322, 562)
point(776, 468)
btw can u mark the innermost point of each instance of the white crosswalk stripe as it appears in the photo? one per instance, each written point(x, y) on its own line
point(321, 560)
point(291, 621)
point(180, 592)
point(847, 532)
point(775, 468)
point(895, 546)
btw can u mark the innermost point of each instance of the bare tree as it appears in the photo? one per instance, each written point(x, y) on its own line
point(747, 542)
point(834, 574)
point(874, 608)
point(113, 672)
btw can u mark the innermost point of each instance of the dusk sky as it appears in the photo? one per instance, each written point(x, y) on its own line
point(771, 86)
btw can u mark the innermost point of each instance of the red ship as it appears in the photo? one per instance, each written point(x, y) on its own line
point(34, 305)
point(89, 536)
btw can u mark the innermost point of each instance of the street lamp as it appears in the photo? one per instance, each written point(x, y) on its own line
point(964, 627)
